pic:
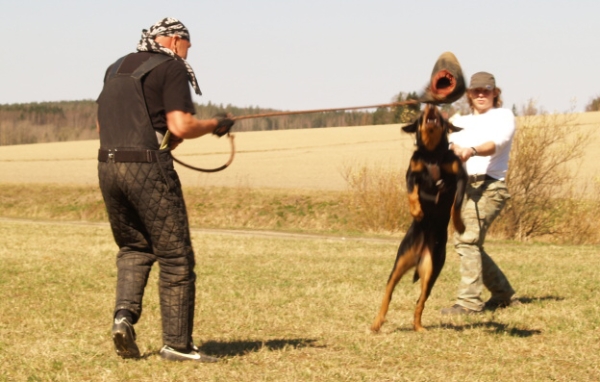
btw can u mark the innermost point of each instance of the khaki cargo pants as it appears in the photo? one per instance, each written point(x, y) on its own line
point(483, 203)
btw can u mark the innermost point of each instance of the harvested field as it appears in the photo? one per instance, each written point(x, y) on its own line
point(292, 159)
point(302, 159)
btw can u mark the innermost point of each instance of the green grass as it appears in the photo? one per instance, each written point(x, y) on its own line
point(293, 309)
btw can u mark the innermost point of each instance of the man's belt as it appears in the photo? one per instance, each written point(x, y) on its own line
point(114, 155)
point(480, 178)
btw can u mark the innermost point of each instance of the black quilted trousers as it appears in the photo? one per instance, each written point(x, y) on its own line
point(149, 223)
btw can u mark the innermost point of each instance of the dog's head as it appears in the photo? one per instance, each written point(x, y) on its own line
point(431, 128)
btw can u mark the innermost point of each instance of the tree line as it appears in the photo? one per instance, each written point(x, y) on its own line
point(76, 120)
point(27, 123)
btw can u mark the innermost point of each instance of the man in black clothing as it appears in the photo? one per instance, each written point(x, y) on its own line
point(146, 94)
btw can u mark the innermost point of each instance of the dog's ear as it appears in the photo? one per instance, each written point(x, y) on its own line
point(453, 128)
point(412, 127)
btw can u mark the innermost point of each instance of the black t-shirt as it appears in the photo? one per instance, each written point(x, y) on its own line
point(166, 88)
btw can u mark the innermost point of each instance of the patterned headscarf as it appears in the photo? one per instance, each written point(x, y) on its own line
point(168, 26)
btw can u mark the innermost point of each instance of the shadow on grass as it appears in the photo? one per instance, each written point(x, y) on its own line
point(529, 300)
point(237, 348)
point(490, 327)
point(494, 328)
point(498, 328)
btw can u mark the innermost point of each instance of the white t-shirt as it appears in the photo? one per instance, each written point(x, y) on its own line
point(496, 125)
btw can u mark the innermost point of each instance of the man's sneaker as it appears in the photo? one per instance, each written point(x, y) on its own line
point(494, 304)
point(171, 354)
point(194, 347)
point(458, 310)
point(123, 336)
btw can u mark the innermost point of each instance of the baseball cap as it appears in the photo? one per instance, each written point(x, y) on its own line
point(482, 80)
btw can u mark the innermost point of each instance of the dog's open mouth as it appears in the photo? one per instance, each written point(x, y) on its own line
point(431, 117)
point(431, 128)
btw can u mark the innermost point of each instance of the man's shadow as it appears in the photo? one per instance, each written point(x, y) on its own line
point(238, 348)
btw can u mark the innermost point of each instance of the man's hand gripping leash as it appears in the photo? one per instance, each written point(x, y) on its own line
point(225, 122)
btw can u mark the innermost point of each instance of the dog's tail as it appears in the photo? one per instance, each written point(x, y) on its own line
point(459, 197)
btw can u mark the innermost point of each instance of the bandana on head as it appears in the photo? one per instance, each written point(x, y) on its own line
point(167, 27)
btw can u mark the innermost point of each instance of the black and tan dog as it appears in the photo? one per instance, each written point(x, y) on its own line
point(435, 182)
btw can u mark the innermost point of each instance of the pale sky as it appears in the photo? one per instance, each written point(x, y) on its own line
point(310, 54)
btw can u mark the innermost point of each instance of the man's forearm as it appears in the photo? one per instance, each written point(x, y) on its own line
point(186, 126)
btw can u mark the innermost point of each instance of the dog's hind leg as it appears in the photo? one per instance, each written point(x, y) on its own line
point(405, 260)
point(425, 270)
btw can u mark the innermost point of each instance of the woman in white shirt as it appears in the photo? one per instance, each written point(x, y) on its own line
point(484, 146)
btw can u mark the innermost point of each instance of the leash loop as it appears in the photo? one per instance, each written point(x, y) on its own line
point(217, 169)
point(165, 143)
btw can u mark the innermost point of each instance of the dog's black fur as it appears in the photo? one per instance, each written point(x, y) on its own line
point(436, 182)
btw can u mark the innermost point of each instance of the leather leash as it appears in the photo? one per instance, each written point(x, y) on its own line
point(165, 141)
point(282, 113)
point(165, 144)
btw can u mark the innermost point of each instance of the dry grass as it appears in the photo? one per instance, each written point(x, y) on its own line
point(378, 196)
point(325, 212)
point(293, 310)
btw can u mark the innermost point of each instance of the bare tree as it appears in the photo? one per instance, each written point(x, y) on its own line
point(594, 104)
point(538, 178)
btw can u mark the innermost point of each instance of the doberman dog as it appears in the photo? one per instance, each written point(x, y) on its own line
point(436, 182)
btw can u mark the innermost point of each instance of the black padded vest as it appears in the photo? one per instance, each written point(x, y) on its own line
point(122, 112)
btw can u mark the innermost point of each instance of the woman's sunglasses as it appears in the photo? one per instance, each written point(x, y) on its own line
point(476, 92)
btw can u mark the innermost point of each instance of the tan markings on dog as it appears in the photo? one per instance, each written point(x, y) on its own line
point(452, 168)
point(425, 270)
point(431, 127)
point(406, 261)
point(416, 166)
point(414, 206)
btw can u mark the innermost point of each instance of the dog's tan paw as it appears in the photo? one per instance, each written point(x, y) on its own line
point(417, 213)
point(376, 326)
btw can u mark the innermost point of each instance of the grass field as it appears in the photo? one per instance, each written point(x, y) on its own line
point(292, 309)
point(290, 305)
